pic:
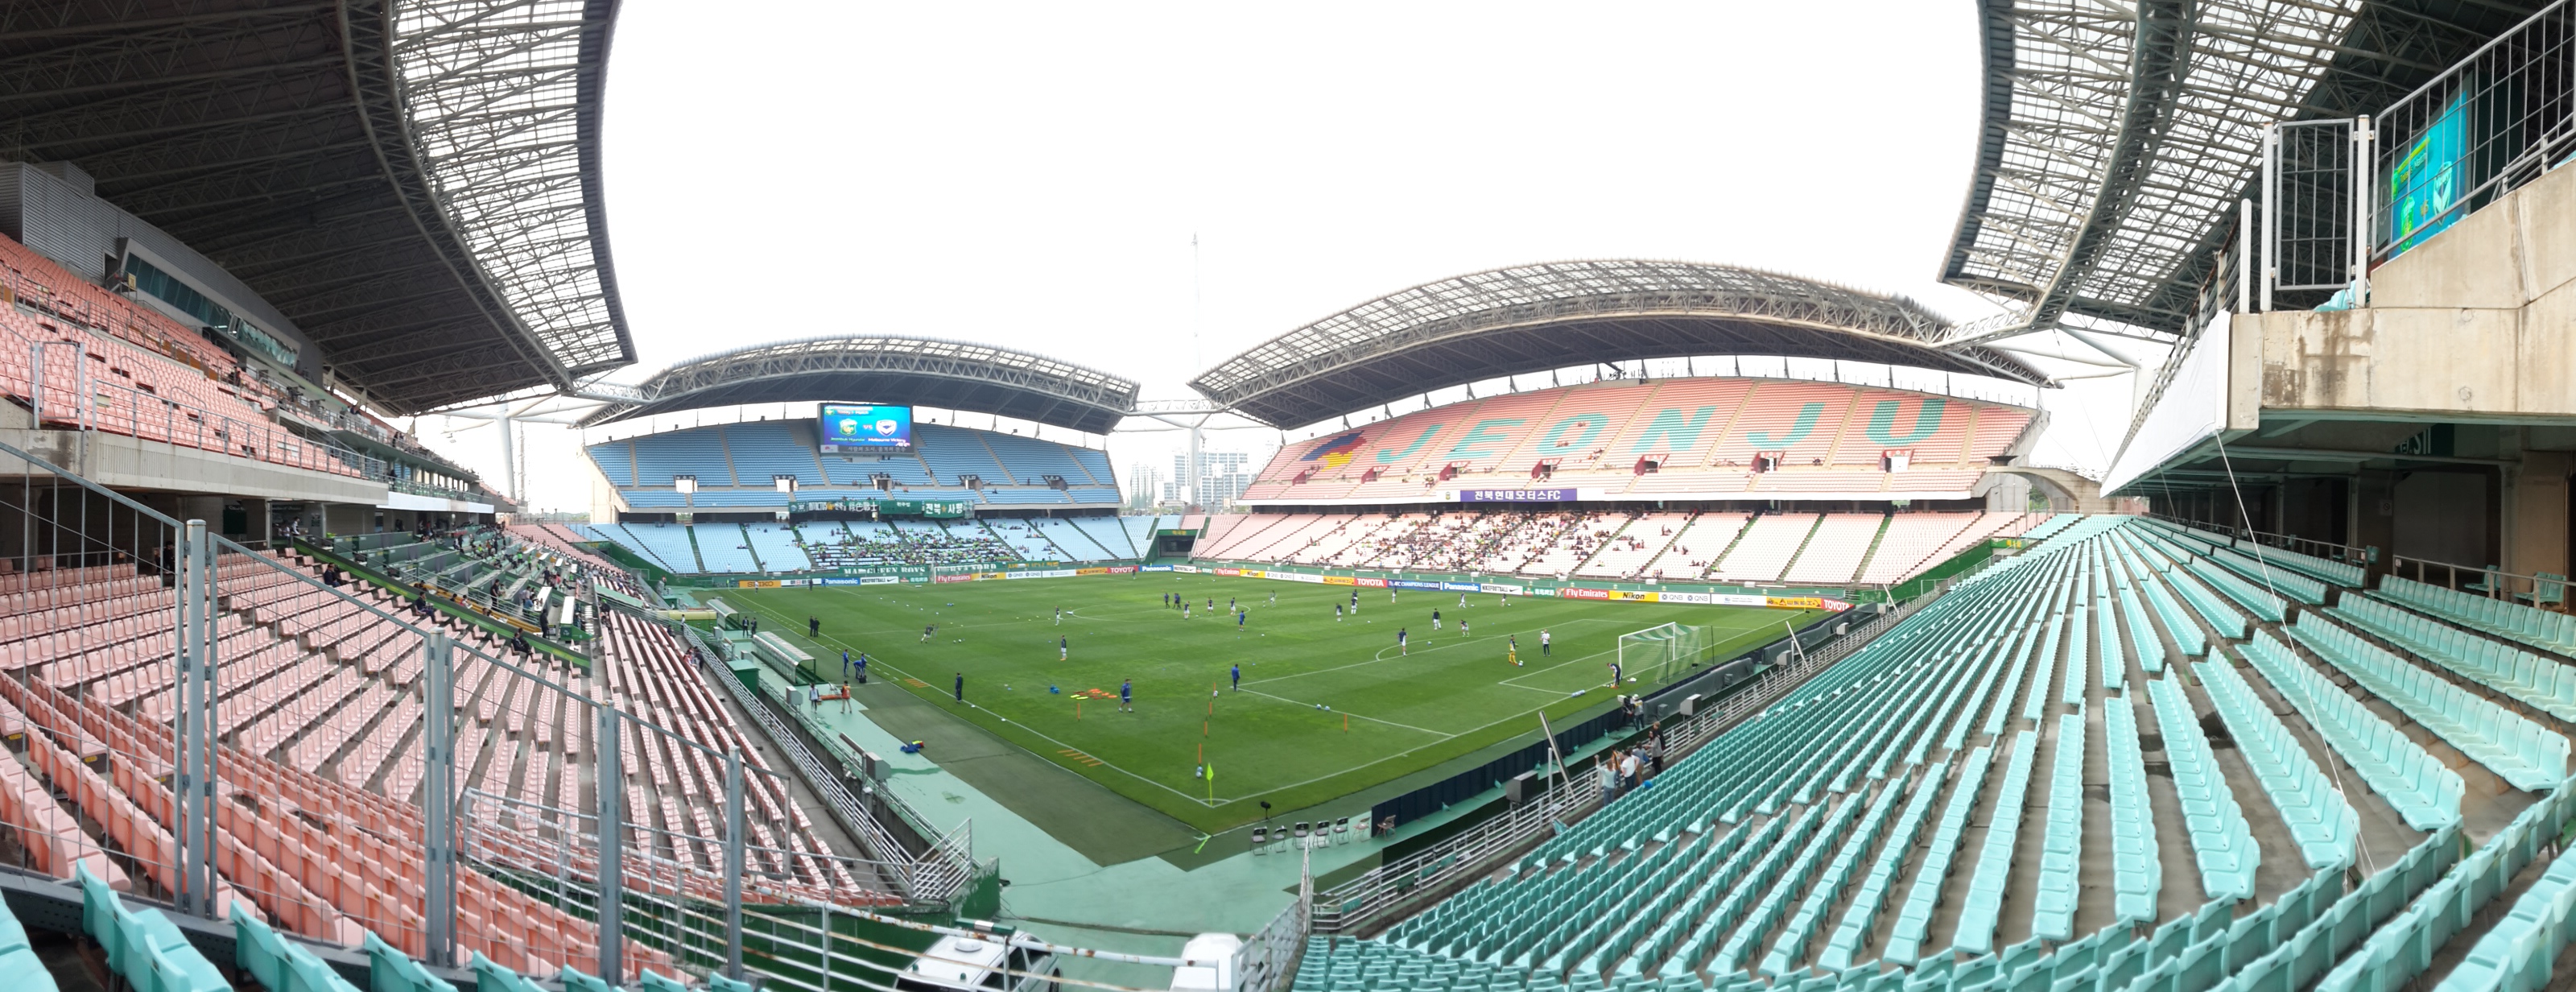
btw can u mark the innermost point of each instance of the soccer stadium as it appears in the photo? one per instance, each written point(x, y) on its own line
point(1601, 625)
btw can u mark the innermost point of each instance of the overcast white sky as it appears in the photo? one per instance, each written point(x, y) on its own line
point(1031, 175)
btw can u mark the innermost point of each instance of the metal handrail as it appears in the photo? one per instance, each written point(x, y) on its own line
point(2508, 110)
point(937, 875)
point(1358, 902)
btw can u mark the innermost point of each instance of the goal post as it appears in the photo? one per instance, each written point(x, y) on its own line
point(1661, 653)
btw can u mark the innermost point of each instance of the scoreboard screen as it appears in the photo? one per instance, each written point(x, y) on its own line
point(865, 425)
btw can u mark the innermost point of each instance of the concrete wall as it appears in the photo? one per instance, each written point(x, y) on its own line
point(2478, 322)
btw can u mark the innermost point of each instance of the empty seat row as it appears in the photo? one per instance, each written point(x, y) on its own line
point(2221, 841)
point(2137, 865)
point(2539, 682)
point(2504, 618)
point(2256, 599)
point(2424, 792)
point(2521, 752)
point(2278, 580)
point(1975, 933)
point(2320, 820)
point(2061, 854)
point(1914, 917)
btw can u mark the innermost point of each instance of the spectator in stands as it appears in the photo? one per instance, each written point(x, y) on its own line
point(1609, 776)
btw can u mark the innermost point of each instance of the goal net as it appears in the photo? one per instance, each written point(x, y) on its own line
point(1661, 653)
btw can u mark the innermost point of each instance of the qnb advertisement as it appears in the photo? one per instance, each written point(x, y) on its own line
point(862, 426)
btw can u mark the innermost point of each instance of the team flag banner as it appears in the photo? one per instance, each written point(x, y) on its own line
point(1516, 495)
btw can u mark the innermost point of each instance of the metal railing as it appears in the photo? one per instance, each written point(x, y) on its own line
point(2489, 124)
point(756, 922)
point(2358, 556)
point(936, 876)
point(63, 392)
point(1364, 902)
point(406, 714)
point(2490, 581)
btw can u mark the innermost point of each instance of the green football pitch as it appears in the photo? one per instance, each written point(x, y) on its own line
point(1327, 707)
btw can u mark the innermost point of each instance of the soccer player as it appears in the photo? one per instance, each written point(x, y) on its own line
point(1614, 675)
point(1462, 600)
point(1542, 641)
point(961, 687)
point(1400, 647)
point(1238, 677)
point(1512, 650)
point(1127, 696)
point(927, 631)
point(1274, 597)
point(1462, 628)
point(1185, 611)
point(1059, 616)
point(1239, 616)
point(1435, 620)
point(1063, 649)
point(1337, 613)
point(1229, 603)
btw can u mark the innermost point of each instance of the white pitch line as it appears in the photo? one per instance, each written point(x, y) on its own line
point(1307, 703)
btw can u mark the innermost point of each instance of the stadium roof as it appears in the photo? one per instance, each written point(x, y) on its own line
point(922, 371)
point(2118, 139)
point(415, 186)
point(1533, 318)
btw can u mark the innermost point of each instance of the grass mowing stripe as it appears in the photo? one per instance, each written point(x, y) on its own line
point(1003, 638)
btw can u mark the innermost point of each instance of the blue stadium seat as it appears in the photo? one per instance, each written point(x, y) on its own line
point(763, 450)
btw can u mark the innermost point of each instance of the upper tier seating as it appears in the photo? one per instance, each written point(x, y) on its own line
point(737, 466)
point(1705, 433)
point(763, 450)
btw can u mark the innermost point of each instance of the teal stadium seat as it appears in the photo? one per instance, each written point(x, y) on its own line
point(2521, 752)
